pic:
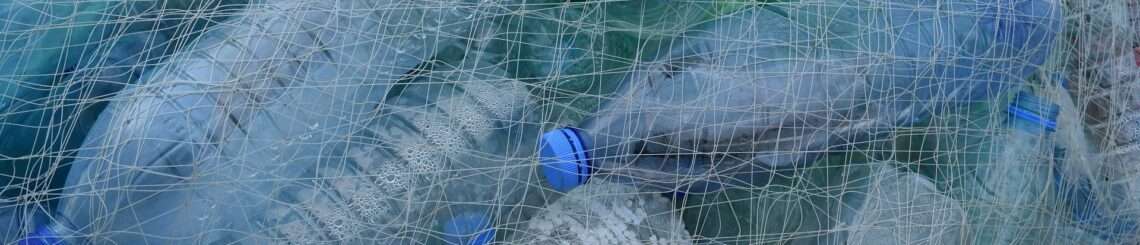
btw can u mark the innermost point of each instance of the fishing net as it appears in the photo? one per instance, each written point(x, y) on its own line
point(569, 122)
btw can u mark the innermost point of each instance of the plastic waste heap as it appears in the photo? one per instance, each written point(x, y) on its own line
point(317, 121)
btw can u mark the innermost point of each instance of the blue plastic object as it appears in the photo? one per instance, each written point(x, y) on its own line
point(565, 160)
point(471, 228)
point(43, 235)
point(1037, 111)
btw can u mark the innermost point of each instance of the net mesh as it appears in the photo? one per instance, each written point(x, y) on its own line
point(715, 122)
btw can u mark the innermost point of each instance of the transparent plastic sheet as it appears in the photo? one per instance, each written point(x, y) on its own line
point(367, 122)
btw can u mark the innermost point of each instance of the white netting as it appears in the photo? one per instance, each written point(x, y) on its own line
point(422, 121)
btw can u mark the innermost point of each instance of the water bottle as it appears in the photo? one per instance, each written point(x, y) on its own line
point(936, 53)
point(711, 112)
point(290, 125)
point(1003, 198)
point(734, 102)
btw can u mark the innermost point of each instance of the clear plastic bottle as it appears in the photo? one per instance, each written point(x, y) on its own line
point(747, 107)
point(289, 125)
point(734, 102)
point(444, 156)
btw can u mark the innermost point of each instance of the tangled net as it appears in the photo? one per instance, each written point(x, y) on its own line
point(422, 122)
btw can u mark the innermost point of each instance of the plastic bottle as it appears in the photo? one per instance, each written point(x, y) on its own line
point(734, 102)
point(287, 125)
point(460, 137)
point(1004, 198)
point(938, 53)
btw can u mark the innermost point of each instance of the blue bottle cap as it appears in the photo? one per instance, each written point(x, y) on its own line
point(470, 228)
point(565, 161)
point(43, 235)
point(1030, 108)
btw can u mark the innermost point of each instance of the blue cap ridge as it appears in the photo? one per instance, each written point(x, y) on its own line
point(564, 158)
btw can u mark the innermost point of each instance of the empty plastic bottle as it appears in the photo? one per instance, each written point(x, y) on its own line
point(756, 93)
point(58, 74)
point(928, 55)
point(284, 125)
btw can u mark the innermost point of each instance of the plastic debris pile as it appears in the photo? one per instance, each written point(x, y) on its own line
point(570, 122)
